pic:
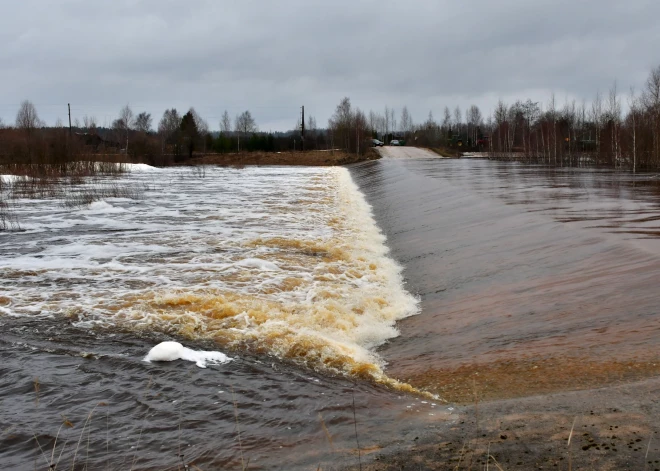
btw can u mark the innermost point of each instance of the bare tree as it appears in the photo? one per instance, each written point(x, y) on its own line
point(474, 120)
point(386, 122)
point(340, 123)
point(489, 124)
point(225, 123)
point(530, 112)
point(513, 118)
point(501, 113)
point(446, 123)
point(633, 104)
point(430, 128)
point(596, 118)
point(28, 121)
point(373, 122)
point(651, 99)
point(27, 118)
point(168, 128)
point(406, 122)
point(244, 124)
point(312, 133)
point(552, 111)
point(614, 117)
point(202, 127)
point(458, 119)
point(359, 123)
point(124, 124)
point(201, 123)
point(143, 122)
point(89, 122)
point(170, 122)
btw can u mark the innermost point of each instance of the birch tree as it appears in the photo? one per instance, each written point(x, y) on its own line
point(406, 122)
point(632, 103)
point(652, 103)
point(225, 123)
point(614, 117)
point(244, 124)
point(501, 112)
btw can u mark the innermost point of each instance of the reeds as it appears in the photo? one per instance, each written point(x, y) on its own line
point(73, 185)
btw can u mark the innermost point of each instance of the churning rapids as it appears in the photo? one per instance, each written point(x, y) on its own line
point(283, 269)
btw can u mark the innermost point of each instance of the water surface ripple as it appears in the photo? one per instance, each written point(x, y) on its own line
point(530, 278)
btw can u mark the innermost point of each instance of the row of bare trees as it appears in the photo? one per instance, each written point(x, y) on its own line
point(572, 134)
point(31, 142)
point(617, 130)
point(599, 133)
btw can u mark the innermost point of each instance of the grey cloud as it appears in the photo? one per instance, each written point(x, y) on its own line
point(272, 57)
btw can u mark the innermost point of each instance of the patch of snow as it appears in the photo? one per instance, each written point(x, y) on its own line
point(140, 168)
point(12, 178)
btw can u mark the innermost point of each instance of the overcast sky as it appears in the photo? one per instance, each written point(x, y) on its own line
point(272, 56)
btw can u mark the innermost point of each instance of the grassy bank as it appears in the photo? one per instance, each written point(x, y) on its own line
point(311, 158)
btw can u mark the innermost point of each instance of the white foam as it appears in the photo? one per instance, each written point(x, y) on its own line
point(193, 257)
point(104, 207)
point(171, 351)
point(258, 263)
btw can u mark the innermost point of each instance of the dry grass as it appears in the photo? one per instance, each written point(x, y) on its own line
point(309, 158)
point(87, 195)
point(72, 185)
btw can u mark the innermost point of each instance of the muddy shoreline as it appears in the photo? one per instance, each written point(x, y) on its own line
point(613, 428)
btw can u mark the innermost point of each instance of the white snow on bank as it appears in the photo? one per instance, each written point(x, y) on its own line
point(170, 351)
point(12, 178)
point(139, 168)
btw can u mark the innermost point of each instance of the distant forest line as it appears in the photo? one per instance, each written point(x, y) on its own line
point(571, 134)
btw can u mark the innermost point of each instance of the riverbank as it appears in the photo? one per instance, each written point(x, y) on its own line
point(310, 158)
point(611, 428)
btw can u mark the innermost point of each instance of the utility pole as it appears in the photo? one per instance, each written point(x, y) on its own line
point(69, 105)
point(302, 128)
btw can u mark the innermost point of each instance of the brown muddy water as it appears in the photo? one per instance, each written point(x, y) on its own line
point(523, 280)
point(531, 279)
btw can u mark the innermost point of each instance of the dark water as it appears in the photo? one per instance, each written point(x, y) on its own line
point(513, 262)
point(162, 416)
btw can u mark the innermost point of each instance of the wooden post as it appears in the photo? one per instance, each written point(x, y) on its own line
point(302, 129)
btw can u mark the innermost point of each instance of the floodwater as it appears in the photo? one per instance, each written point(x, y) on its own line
point(282, 269)
point(485, 274)
point(531, 279)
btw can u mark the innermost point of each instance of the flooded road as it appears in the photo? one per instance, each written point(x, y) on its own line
point(531, 279)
